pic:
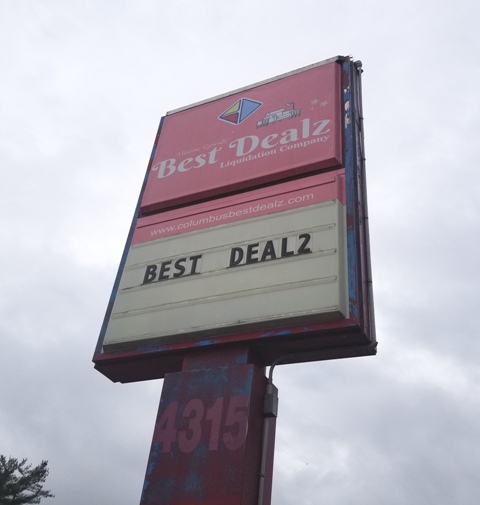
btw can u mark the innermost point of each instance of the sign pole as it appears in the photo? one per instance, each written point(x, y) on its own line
point(248, 247)
point(214, 435)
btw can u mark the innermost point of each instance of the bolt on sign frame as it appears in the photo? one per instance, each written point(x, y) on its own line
point(251, 230)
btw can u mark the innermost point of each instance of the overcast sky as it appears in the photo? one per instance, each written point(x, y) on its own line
point(83, 84)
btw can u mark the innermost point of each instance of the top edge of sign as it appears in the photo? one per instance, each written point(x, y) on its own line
point(260, 83)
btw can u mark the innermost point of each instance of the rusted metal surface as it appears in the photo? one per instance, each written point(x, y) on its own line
point(207, 443)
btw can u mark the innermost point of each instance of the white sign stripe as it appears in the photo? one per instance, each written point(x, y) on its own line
point(286, 267)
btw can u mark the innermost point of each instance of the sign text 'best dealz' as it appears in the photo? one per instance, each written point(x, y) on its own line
point(255, 252)
point(250, 147)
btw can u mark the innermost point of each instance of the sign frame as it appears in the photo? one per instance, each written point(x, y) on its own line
point(290, 343)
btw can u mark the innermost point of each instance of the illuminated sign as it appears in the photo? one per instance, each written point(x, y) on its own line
point(286, 265)
point(287, 127)
point(249, 229)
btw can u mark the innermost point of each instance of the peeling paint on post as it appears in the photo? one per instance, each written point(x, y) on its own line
point(206, 447)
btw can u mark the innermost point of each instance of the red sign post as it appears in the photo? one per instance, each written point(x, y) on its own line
point(207, 443)
point(249, 246)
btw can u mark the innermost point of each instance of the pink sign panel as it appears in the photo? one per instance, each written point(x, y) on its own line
point(280, 197)
point(274, 130)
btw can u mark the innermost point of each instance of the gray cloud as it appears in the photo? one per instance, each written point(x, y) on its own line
point(83, 88)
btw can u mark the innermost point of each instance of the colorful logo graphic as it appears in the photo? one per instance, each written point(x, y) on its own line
point(240, 110)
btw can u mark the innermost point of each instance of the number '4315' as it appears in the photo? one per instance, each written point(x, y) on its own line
point(224, 422)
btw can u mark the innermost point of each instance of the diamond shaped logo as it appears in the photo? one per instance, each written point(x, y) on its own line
point(240, 110)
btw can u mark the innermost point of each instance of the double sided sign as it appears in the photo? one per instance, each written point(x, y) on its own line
point(250, 228)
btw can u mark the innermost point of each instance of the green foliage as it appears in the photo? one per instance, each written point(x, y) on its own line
point(20, 483)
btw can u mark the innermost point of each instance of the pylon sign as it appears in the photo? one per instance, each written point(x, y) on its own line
point(250, 229)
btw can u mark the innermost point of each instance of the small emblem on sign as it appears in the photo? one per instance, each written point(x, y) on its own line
point(240, 110)
point(279, 115)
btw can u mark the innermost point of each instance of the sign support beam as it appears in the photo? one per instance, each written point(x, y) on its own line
point(214, 435)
